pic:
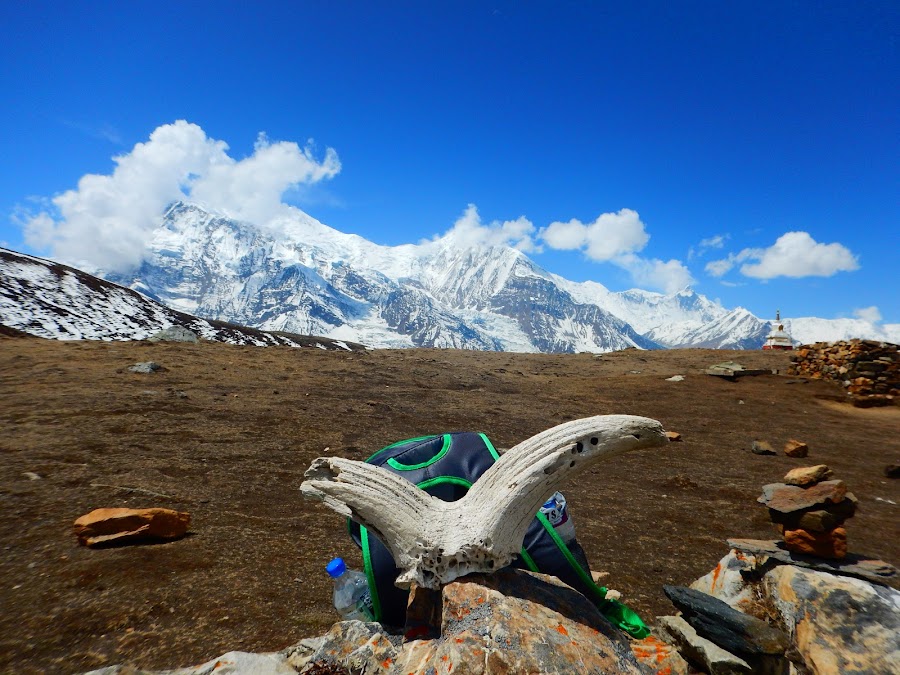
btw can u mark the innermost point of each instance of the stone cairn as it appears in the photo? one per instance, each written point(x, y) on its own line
point(809, 510)
point(868, 370)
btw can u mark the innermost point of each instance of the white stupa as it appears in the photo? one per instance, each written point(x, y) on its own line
point(778, 338)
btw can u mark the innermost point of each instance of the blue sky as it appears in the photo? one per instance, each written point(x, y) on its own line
point(750, 149)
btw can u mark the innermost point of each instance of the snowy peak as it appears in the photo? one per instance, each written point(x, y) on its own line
point(50, 300)
point(300, 276)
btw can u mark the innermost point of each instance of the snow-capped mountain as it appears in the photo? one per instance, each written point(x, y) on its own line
point(50, 300)
point(299, 276)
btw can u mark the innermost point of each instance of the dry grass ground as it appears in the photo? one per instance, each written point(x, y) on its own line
point(226, 432)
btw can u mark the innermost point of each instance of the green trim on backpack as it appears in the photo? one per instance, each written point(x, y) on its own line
point(490, 447)
point(370, 573)
point(421, 465)
point(615, 612)
point(444, 480)
point(526, 556)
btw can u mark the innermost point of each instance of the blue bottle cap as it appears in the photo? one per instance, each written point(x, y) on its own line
point(336, 567)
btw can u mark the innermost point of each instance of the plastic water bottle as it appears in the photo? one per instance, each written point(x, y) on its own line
point(558, 515)
point(352, 598)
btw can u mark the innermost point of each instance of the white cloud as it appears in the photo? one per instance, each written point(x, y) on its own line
point(611, 235)
point(796, 254)
point(870, 314)
point(718, 241)
point(616, 238)
point(469, 231)
point(670, 276)
point(718, 268)
point(106, 221)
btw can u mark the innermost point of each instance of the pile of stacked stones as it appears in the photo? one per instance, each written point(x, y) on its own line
point(863, 367)
point(809, 510)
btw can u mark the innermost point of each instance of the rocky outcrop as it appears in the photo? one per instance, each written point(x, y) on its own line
point(868, 370)
point(122, 525)
point(837, 623)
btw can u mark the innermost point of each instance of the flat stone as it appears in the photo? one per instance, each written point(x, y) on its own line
point(852, 565)
point(795, 448)
point(122, 525)
point(673, 436)
point(831, 544)
point(787, 498)
point(762, 448)
point(804, 476)
point(732, 630)
point(703, 653)
point(838, 624)
point(817, 520)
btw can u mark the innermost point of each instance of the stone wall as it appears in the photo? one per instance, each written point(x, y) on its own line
point(864, 367)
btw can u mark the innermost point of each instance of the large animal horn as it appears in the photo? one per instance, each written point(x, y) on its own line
point(434, 542)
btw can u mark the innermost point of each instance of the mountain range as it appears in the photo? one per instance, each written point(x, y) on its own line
point(299, 276)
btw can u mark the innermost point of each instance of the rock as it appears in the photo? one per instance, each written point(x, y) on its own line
point(892, 470)
point(673, 436)
point(511, 621)
point(659, 657)
point(122, 525)
point(787, 498)
point(675, 378)
point(838, 624)
point(852, 565)
point(174, 334)
point(31, 475)
point(819, 520)
point(145, 367)
point(703, 653)
point(727, 580)
point(804, 476)
point(831, 544)
point(232, 663)
point(755, 641)
point(795, 448)
point(761, 447)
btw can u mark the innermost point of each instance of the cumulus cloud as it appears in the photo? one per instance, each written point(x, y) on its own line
point(610, 236)
point(617, 238)
point(669, 276)
point(107, 220)
point(870, 314)
point(469, 231)
point(794, 254)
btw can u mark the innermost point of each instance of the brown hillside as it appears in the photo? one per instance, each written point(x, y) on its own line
point(226, 432)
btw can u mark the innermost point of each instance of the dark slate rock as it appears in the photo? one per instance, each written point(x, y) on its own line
point(730, 629)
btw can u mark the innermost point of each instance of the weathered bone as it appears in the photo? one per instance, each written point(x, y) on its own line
point(434, 542)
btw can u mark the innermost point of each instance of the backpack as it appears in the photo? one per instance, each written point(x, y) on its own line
point(446, 466)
